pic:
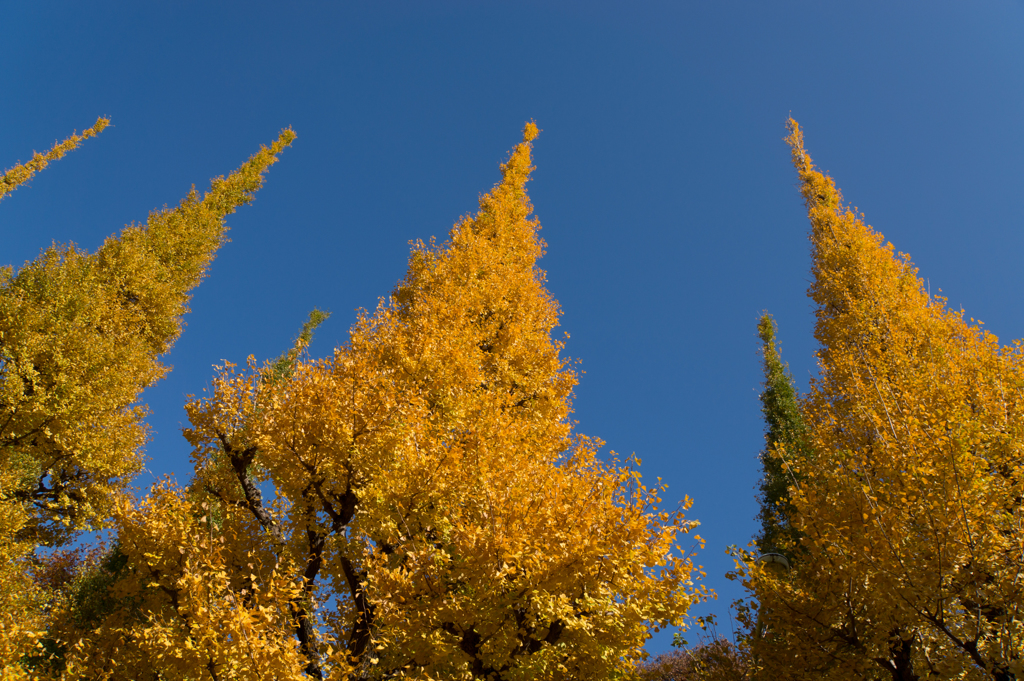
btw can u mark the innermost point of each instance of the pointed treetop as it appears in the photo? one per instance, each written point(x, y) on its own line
point(23, 172)
point(516, 171)
point(823, 199)
point(795, 140)
point(530, 132)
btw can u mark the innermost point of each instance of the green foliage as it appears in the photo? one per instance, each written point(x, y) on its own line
point(281, 368)
point(785, 437)
point(86, 596)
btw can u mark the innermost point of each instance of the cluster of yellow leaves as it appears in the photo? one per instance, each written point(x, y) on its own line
point(909, 501)
point(179, 597)
point(426, 477)
point(80, 337)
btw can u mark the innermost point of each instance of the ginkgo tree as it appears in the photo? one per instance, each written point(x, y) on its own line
point(416, 505)
point(907, 477)
point(80, 338)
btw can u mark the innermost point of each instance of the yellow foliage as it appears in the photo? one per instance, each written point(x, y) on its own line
point(23, 172)
point(415, 506)
point(426, 480)
point(180, 601)
point(80, 337)
point(909, 502)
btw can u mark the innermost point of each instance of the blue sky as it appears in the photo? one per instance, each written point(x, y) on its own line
point(662, 183)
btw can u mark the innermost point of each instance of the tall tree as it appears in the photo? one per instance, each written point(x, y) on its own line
point(80, 338)
point(785, 438)
point(424, 489)
point(909, 507)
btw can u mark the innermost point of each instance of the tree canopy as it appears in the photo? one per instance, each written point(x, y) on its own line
point(419, 504)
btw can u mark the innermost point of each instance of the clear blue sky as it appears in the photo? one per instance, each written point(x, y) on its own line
point(662, 181)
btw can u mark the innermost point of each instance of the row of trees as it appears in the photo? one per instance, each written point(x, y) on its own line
point(415, 506)
point(418, 505)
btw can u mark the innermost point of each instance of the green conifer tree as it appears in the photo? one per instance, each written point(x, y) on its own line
point(785, 437)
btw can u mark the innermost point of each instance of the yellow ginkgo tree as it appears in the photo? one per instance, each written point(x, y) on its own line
point(445, 520)
point(905, 492)
point(80, 338)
